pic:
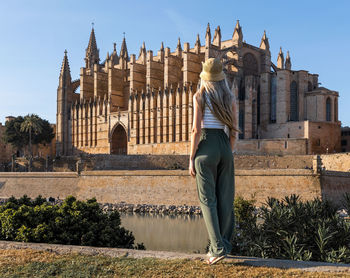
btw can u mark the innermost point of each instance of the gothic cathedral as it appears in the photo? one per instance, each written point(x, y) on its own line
point(143, 105)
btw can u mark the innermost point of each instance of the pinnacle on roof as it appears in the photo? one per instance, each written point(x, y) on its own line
point(264, 36)
point(237, 33)
point(114, 55)
point(178, 47)
point(124, 50)
point(198, 42)
point(217, 36)
point(280, 59)
point(288, 63)
point(217, 32)
point(265, 42)
point(162, 47)
point(142, 49)
point(238, 26)
point(207, 33)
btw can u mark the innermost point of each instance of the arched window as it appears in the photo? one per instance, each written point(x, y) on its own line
point(294, 101)
point(273, 99)
point(250, 65)
point(328, 109)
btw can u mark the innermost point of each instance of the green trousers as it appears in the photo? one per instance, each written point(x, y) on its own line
point(215, 185)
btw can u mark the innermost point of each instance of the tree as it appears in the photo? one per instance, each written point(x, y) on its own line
point(31, 124)
point(24, 131)
point(13, 134)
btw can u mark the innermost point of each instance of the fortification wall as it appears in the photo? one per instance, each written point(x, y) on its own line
point(325, 137)
point(172, 162)
point(334, 184)
point(170, 187)
point(331, 162)
point(249, 146)
point(336, 162)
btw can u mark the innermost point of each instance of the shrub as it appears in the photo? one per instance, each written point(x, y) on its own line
point(292, 229)
point(73, 222)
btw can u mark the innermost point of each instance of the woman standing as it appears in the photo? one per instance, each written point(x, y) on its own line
point(211, 159)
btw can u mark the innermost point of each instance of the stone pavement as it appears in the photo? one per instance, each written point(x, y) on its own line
point(138, 254)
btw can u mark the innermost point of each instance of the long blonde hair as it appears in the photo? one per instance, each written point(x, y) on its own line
point(221, 99)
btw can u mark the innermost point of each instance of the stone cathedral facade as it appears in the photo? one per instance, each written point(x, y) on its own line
point(143, 104)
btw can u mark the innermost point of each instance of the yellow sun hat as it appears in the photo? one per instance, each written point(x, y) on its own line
point(212, 70)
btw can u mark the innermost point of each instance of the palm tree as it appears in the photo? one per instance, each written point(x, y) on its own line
point(32, 125)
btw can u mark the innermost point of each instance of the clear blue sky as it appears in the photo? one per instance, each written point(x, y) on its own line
point(34, 35)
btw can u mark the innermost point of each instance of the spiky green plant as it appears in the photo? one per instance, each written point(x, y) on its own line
point(293, 229)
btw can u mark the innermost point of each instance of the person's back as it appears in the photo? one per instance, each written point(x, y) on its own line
point(209, 120)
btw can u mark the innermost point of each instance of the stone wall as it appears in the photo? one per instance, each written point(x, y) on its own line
point(320, 142)
point(173, 162)
point(171, 187)
point(287, 146)
point(334, 185)
point(336, 162)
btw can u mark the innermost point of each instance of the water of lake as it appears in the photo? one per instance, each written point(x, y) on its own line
point(182, 233)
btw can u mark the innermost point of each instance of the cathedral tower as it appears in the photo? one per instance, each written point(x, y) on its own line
point(64, 92)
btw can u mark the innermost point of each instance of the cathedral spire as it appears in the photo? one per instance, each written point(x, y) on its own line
point(280, 59)
point(124, 50)
point(288, 63)
point(265, 42)
point(92, 46)
point(65, 69)
point(237, 36)
point(92, 52)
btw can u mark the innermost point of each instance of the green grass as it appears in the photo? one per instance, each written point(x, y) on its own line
point(30, 263)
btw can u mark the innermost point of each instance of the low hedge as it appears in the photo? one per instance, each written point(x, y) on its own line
point(72, 222)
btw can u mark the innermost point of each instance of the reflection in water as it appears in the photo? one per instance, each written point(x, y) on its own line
point(184, 233)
